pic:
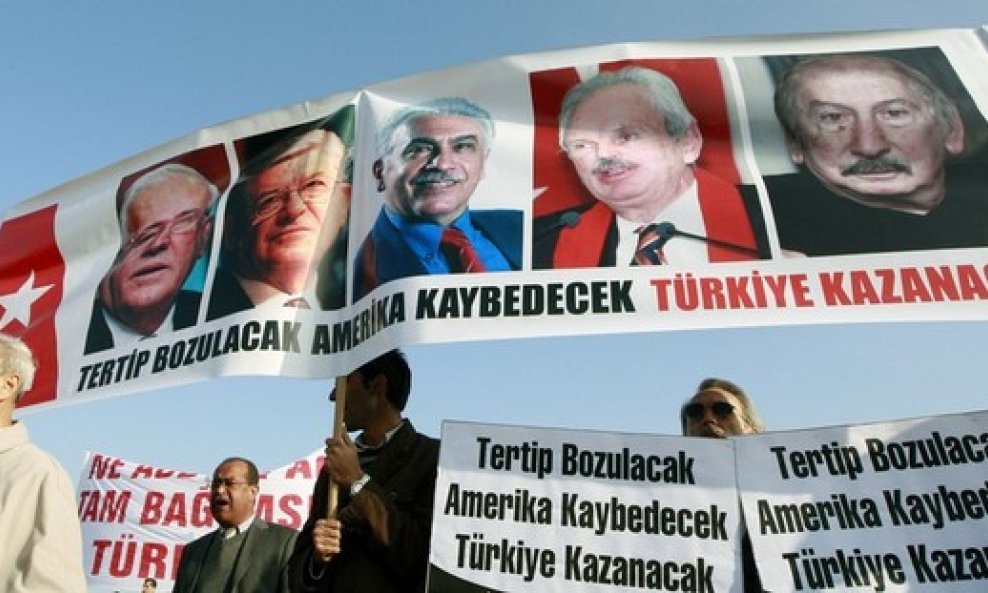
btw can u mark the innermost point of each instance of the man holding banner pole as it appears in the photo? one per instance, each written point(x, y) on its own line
point(721, 409)
point(378, 539)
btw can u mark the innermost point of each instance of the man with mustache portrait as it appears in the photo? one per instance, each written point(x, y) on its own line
point(431, 157)
point(635, 145)
point(872, 137)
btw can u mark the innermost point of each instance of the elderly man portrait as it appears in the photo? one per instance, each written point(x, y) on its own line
point(40, 537)
point(877, 143)
point(244, 553)
point(431, 157)
point(635, 145)
point(286, 218)
point(166, 224)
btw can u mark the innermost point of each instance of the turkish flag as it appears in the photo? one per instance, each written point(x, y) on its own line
point(32, 272)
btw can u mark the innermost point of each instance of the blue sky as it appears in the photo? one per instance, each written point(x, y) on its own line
point(83, 85)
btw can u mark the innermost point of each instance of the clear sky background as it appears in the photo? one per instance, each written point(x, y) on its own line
point(85, 84)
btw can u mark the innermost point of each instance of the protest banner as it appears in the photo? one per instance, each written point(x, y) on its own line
point(899, 506)
point(306, 240)
point(538, 509)
point(137, 518)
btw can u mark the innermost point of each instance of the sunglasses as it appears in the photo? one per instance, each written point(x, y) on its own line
point(694, 411)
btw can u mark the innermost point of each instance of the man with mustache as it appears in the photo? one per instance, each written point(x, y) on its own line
point(875, 134)
point(431, 158)
point(165, 224)
point(245, 553)
point(721, 409)
point(286, 220)
point(635, 145)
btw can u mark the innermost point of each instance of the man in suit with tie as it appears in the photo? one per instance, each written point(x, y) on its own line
point(431, 158)
point(635, 145)
point(245, 554)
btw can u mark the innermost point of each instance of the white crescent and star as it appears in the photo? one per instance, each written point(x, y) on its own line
point(17, 305)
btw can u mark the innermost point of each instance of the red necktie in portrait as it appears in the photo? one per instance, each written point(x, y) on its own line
point(459, 252)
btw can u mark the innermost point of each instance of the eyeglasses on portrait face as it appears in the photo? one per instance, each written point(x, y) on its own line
point(695, 411)
point(314, 192)
point(184, 223)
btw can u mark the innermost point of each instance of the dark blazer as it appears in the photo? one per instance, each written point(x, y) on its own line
point(227, 295)
point(812, 220)
point(99, 338)
point(260, 568)
point(384, 256)
point(386, 527)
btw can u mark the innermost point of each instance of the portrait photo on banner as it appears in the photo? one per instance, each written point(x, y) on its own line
point(868, 152)
point(636, 164)
point(284, 235)
point(155, 283)
point(423, 188)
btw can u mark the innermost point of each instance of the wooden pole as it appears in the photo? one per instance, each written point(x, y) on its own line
point(338, 416)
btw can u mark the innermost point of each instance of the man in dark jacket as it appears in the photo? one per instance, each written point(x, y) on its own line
point(386, 475)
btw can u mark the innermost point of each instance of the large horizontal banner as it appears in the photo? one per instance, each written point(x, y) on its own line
point(637, 187)
point(901, 506)
point(137, 518)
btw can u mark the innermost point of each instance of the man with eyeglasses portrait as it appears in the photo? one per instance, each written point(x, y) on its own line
point(284, 236)
point(165, 225)
point(245, 553)
point(721, 409)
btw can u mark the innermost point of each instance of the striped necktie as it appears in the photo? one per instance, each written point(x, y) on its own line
point(649, 249)
point(459, 252)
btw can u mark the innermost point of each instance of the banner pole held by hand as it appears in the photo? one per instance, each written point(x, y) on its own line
point(338, 416)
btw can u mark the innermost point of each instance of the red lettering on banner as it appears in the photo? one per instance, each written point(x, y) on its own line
point(127, 558)
point(305, 469)
point(301, 468)
point(892, 286)
point(288, 505)
point(687, 292)
point(148, 471)
point(105, 467)
point(105, 507)
point(32, 272)
point(178, 511)
point(291, 509)
point(973, 285)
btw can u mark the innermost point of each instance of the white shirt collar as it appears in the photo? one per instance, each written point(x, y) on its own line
point(685, 213)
